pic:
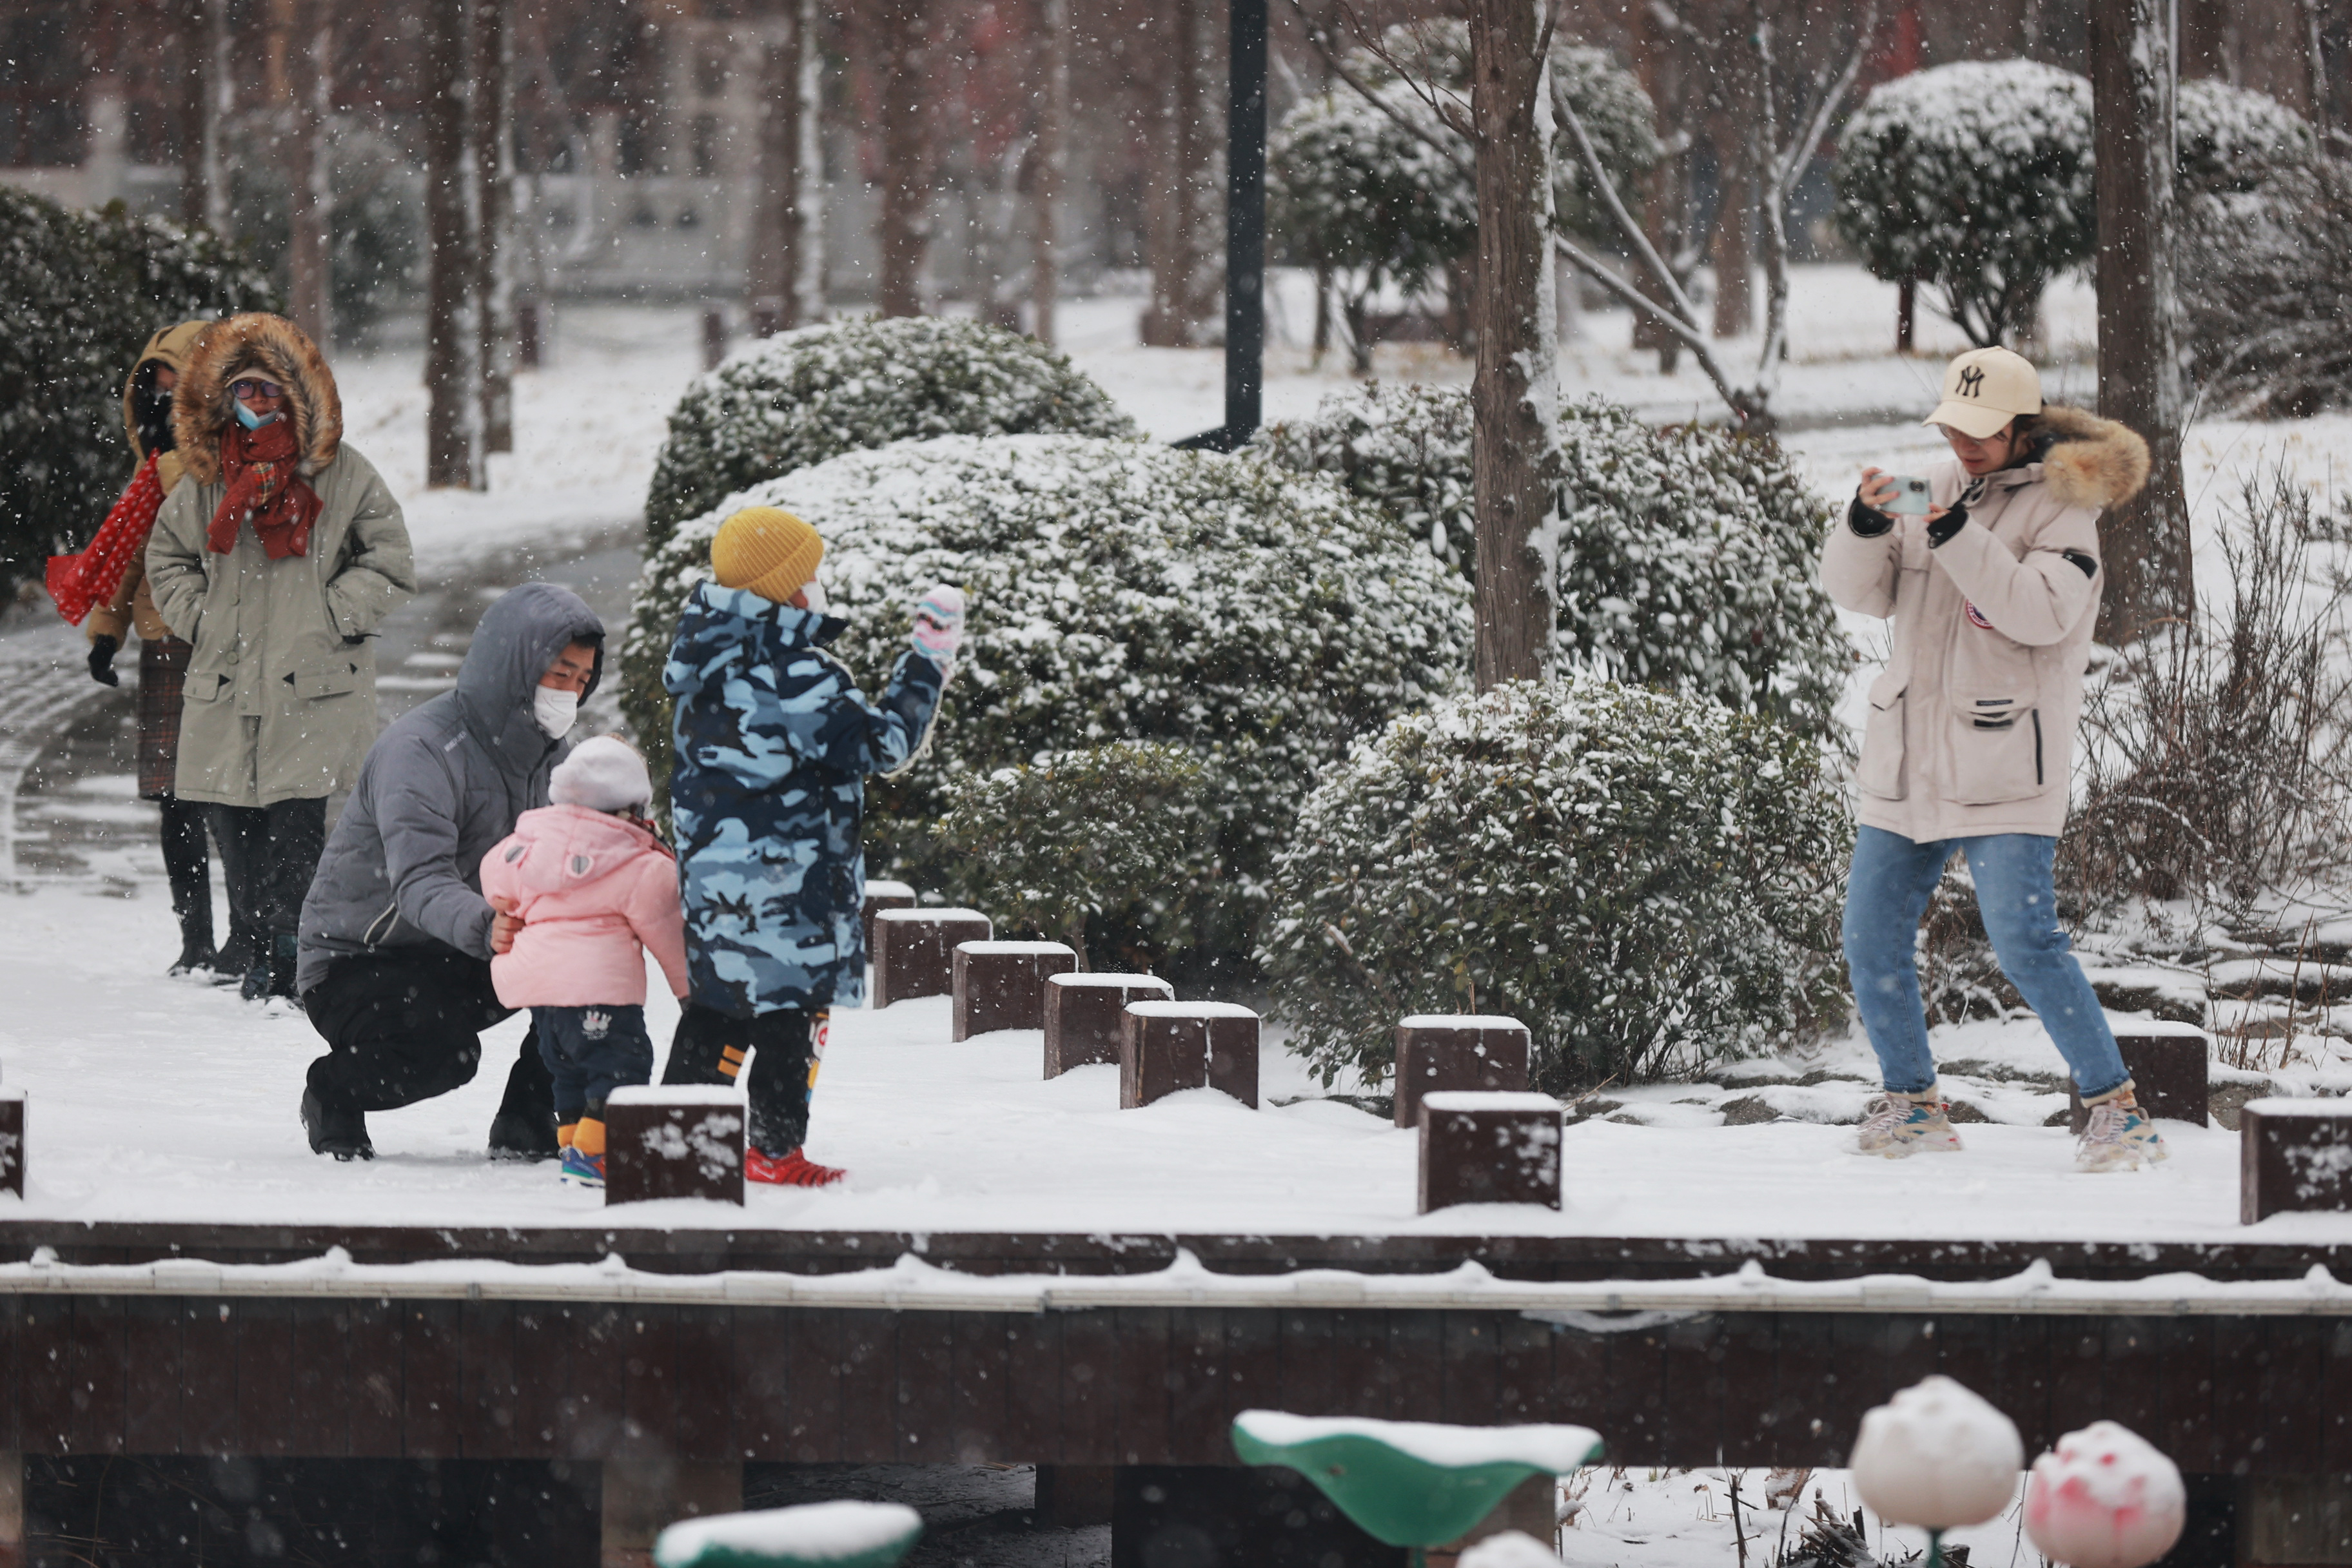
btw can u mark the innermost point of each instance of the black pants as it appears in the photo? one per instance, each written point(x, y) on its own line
point(268, 855)
point(189, 870)
point(590, 1052)
point(784, 1049)
point(403, 1026)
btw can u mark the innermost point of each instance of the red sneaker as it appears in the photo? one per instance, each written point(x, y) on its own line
point(792, 1170)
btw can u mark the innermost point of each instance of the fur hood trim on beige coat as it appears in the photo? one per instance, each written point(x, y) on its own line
point(2090, 461)
point(271, 347)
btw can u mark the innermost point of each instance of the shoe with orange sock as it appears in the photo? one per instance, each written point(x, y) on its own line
point(792, 1170)
point(583, 1153)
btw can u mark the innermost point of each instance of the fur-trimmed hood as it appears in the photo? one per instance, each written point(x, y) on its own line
point(170, 347)
point(2090, 461)
point(271, 347)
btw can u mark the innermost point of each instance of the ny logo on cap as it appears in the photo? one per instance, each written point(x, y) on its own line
point(1971, 381)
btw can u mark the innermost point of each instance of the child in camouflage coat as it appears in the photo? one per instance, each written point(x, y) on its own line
point(773, 742)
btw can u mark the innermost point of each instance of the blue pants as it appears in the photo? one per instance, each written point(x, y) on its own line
point(1892, 881)
point(590, 1052)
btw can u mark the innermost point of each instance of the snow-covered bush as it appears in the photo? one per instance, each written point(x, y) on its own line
point(843, 386)
point(1975, 179)
point(1686, 559)
point(1649, 882)
point(80, 292)
point(2234, 141)
point(1047, 848)
point(1119, 591)
point(2265, 289)
point(1367, 188)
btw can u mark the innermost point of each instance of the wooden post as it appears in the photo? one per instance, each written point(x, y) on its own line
point(2169, 1077)
point(1083, 1016)
point(674, 1141)
point(908, 89)
point(1436, 1053)
point(453, 419)
point(1001, 984)
point(1045, 183)
point(1489, 1149)
point(880, 896)
point(1165, 1047)
point(914, 950)
point(1514, 395)
point(2294, 1155)
point(2145, 542)
point(493, 161)
point(12, 1141)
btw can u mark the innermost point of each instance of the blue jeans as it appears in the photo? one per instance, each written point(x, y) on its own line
point(1886, 895)
point(590, 1052)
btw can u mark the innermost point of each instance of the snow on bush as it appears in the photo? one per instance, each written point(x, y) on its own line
point(1937, 1457)
point(1974, 178)
point(1649, 882)
point(79, 293)
point(2105, 1498)
point(1686, 559)
point(1119, 591)
point(840, 386)
point(2235, 141)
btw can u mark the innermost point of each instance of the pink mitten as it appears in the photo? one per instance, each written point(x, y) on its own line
point(939, 623)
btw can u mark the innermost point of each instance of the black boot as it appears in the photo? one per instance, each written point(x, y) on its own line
point(285, 954)
point(237, 834)
point(524, 1128)
point(190, 873)
point(335, 1130)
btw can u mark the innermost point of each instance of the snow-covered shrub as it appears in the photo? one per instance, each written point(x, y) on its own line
point(1686, 557)
point(1649, 882)
point(843, 386)
point(1051, 846)
point(1367, 188)
point(1119, 591)
point(2233, 140)
point(1975, 179)
point(80, 292)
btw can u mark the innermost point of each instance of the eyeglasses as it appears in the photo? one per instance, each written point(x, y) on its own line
point(251, 388)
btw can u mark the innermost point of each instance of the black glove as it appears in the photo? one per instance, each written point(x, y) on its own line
point(101, 661)
point(1867, 521)
point(1940, 531)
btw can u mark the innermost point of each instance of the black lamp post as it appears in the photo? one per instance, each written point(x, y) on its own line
point(1244, 233)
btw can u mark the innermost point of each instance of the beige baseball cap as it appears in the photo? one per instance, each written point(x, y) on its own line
point(1984, 389)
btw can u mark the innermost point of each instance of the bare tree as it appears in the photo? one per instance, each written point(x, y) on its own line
point(204, 103)
point(788, 244)
point(1183, 214)
point(2146, 539)
point(1791, 117)
point(492, 136)
point(301, 88)
point(903, 28)
point(1514, 396)
point(453, 420)
point(1045, 176)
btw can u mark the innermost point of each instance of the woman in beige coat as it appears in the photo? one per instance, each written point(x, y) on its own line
point(276, 556)
point(1990, 572)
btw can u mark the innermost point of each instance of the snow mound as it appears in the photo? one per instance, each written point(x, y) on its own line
point(844, 1533)
point(1937, 1457)
point(1557, 1448)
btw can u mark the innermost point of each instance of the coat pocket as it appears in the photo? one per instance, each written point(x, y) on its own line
point(331, 680)
point(1997, 752)
point(206, 687)
point(1880, 773)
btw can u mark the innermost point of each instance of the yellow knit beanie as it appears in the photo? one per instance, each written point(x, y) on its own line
point(768, 551)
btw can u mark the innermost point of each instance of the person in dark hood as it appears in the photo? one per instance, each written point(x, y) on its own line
point(397, 937)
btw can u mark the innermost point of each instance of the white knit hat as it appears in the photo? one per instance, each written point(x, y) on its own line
point(602, 774)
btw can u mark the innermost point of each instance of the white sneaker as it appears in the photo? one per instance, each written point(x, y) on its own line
point(1900, 1127)
point(2119, 1137)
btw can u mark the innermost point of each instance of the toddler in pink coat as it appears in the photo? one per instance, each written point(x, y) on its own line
point(596, 891)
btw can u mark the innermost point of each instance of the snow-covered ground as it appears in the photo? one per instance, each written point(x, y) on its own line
point(157, 1099)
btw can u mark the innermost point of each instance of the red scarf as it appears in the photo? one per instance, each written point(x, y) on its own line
point(262, 484)
point(78, 581)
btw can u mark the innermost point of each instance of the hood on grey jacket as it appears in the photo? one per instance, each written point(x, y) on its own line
point(445, 782)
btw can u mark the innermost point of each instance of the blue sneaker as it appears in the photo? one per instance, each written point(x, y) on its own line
point(580, 1170)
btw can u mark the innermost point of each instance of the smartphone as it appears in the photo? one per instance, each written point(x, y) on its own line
point(1910, 496)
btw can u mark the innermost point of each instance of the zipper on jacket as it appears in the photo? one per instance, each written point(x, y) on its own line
point(391, 912)
point(2037, 746)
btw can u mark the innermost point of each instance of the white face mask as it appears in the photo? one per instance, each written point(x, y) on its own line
point(815, 594)
point(554, 710)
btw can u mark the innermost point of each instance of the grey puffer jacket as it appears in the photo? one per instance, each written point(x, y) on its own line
point(445, 783)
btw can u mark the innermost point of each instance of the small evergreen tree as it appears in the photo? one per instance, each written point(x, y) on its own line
point(1975, 180)
point(1073, 836)
point(1649, 882)
point(79, 293)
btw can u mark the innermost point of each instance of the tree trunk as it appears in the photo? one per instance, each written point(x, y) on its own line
point(1657, 63)
point(494, 260)
point(1045, 187)
point(206, 94)
point(300, 74)
point(2144, 543)
point(1735, 250)
point(904, 26)
point(453, 419)
point(1181, 141)
point(1514, 398)
point(787, 270)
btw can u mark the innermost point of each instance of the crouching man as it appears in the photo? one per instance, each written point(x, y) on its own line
point(396, 936)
